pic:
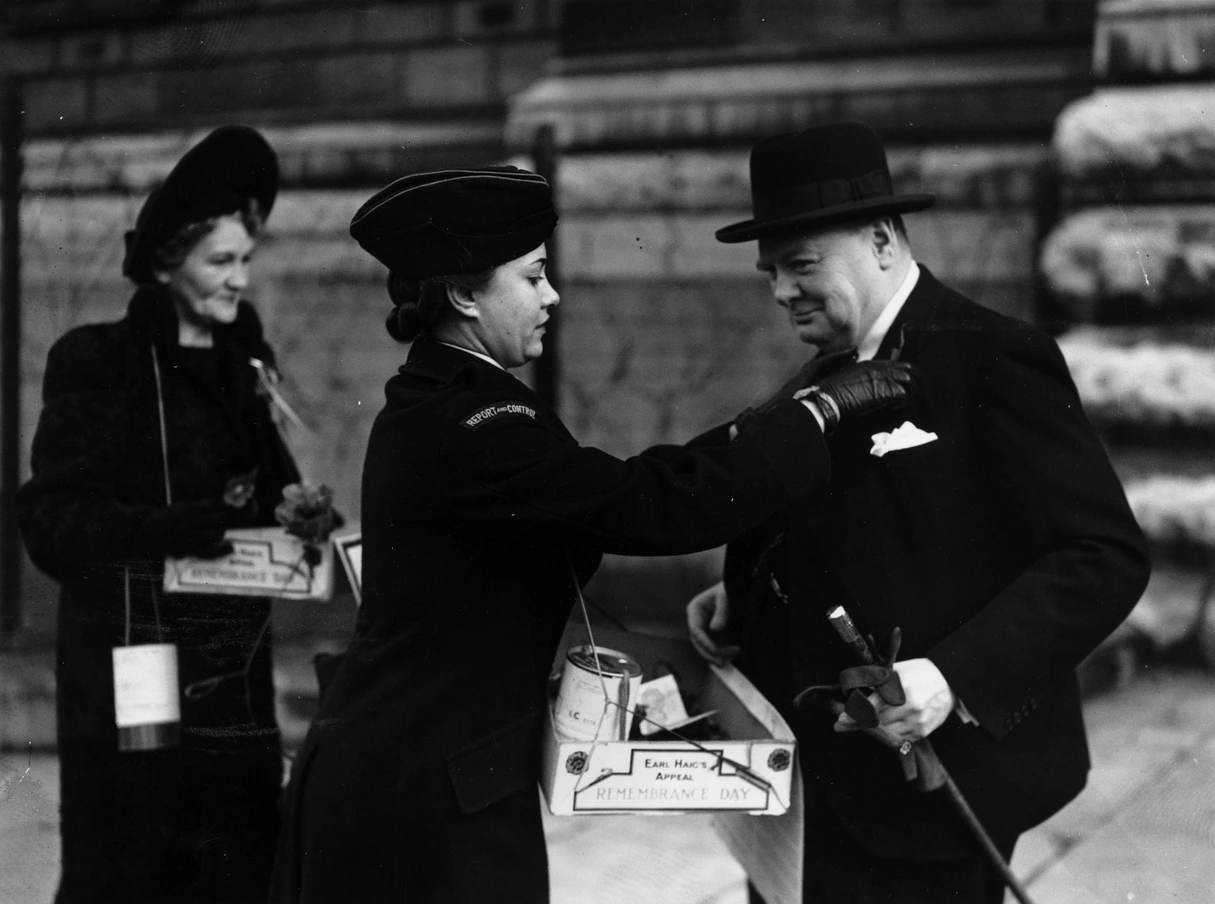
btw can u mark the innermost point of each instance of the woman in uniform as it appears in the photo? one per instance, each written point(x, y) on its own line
point(155, 436)
point(417, 781)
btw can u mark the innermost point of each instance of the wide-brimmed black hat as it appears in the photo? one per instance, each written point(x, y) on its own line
point(216, 176)
point(819, 177)
point(455, 221)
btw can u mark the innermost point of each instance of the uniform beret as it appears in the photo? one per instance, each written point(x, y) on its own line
point(455, 221)
point(216, 176)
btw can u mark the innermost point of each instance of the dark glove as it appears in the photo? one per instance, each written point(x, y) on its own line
point(184, 529)
point(862, 388)
point(811, 372)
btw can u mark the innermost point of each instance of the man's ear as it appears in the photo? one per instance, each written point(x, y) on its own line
point(463, 301)
point(885, 241)
point(162, 276)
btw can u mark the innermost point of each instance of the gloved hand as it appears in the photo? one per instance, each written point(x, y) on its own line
point(861, 388)
point(817, 368)
point(184, 529)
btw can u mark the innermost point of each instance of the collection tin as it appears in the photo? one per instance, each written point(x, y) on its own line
point(598, 694)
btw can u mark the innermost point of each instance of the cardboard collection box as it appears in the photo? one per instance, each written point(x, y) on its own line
point(751, 772)
point(265, 561)
point(757, 809)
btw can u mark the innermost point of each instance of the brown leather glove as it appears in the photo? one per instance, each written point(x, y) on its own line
point(817, 368)
point(862, 388)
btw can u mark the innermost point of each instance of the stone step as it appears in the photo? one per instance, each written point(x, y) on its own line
point(1150, 40)
point(1139, 133)
point(1133, 263)
point(1154, 384)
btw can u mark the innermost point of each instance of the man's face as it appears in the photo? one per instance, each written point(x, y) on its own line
point(828, 282)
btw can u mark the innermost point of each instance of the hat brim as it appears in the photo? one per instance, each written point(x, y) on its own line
point(748, 230)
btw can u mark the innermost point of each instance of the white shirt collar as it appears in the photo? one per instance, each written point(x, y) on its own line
point(474, 354)
point(869, 345)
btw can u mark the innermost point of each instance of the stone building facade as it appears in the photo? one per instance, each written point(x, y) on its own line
point(667, 331)
point(650, 107)
point(1131, 264)
point(350, 96)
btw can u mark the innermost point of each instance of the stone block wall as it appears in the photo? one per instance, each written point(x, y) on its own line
point(321, 298)
point(351, 96)
point(1140, 41)
point(665, 331)
point(180, 65)
point(1132, 266)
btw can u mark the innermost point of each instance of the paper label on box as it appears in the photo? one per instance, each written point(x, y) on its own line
point(663, 704)
point(672, 778)
point(251, 566)
point(145, 685)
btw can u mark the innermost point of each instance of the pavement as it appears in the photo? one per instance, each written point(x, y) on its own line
point(1143, 830)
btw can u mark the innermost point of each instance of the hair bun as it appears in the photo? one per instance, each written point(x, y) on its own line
point(393, 324)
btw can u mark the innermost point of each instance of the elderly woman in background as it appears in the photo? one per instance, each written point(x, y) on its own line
point(417, 781)
point(154, 438)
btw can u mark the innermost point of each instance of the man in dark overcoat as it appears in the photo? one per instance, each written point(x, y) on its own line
point(984, 521)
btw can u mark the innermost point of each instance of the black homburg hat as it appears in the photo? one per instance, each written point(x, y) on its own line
point(216, 176)
point(455, 221)
point(820, 177)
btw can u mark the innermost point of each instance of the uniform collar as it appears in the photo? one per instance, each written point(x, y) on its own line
point(869, 346)
point(480, 355)
point(442, 363)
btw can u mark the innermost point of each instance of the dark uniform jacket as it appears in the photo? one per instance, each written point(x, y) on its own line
point(1004, 550)
point(418, 778)
point(198, 822)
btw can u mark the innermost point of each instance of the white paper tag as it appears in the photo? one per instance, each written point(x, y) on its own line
point(663, 705)
point(145, 685)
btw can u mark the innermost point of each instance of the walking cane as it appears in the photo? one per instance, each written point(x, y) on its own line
point(846, 629)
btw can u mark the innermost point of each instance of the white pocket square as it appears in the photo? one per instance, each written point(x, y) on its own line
point(906, 436)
